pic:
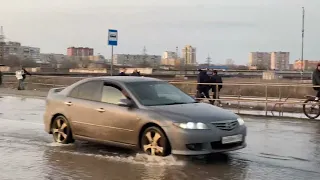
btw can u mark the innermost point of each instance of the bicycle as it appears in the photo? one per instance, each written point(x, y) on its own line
point(312, 108)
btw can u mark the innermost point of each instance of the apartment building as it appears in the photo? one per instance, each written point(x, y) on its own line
point(22, 52)
point(306, 65)
point(80, 51)
point(189, 55)
point(280, 60)
point(260, 60)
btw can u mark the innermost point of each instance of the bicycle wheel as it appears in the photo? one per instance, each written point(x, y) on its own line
point(314, 111)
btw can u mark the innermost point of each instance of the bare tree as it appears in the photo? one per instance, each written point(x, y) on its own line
point(27, 62)
point(84, 62)
point(12, 61)
point(68, 64)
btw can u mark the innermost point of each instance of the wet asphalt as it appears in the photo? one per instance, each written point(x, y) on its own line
point(277, 149)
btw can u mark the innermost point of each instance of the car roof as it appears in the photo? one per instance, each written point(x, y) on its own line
point(125, 79)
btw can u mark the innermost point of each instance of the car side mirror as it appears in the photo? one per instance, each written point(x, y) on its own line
point(125, 103)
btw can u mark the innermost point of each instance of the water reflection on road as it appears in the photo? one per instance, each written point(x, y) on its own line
point(277, 149)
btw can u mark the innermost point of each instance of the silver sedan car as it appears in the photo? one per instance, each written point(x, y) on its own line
point(141, 113)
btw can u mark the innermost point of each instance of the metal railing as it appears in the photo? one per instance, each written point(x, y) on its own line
point(284, 97)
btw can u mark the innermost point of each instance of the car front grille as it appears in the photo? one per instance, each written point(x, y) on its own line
point(226, 125)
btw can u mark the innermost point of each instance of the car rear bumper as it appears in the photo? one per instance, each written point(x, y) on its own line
point(202, 142)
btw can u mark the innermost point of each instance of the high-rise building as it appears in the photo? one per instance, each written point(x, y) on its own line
point(189, 55)
point(280, 60)
point(80, 51)
point(260, 60)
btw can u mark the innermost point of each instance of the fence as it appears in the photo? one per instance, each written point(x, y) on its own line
point(270, 97)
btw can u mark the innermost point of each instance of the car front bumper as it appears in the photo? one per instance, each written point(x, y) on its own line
point(202, 142)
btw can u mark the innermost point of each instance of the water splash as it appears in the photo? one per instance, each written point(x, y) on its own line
point(141, 159)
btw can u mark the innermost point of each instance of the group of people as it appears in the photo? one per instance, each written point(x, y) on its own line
point(134, 73)
point(203, 90)
point(21, 76)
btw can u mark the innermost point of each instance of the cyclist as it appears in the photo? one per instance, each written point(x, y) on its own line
point(316, 80)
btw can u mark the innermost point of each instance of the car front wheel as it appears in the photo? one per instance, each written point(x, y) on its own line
point(154, 142)
point(61, 130)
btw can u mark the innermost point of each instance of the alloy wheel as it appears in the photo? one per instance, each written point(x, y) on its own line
point(154, 142)
point(60, 130)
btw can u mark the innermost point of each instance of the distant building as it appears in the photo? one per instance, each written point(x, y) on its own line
point(189, 55)
point(305, 65)
point(97, 58)
point(169, 55)
point(80, 51)
point(22, 52)
point(171, 62)
point(260, 60)
point(136, 60)
point(280, 60)
point(170, 58)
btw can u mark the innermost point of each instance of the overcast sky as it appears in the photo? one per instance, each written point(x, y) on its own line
point(222, 28)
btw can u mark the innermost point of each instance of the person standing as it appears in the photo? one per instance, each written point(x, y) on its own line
point(0, 78)
point(215, 78)
point(135, 73)
point(21, 76)
point(123, 72)
point(316, 81)
point(203, 89)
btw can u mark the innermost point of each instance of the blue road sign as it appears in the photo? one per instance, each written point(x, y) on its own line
point(113, 37)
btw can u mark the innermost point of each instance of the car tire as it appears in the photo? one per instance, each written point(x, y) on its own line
point(61, 130)
point(154, 142)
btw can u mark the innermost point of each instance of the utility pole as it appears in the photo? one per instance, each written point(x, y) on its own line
point(144, 55)
point(302, 39)
point(208, 60)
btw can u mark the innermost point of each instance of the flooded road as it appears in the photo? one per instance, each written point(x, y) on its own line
point(277, 149)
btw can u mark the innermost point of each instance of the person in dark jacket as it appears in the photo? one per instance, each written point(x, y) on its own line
point(135, 73)
point(0, 78)
point(215, 78)
point(123, 72)
point(316, 81)
point(203, 89)
point(25, 73)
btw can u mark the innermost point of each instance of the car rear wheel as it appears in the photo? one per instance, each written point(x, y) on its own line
point(154, 142)
point(61, 130)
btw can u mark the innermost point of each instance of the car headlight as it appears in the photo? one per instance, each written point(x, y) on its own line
point(240, 121)
point(192, 125)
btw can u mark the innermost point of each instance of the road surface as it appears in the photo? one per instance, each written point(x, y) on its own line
point(277, 149)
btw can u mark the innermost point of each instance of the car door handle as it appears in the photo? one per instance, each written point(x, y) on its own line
point(68, 103)
point(101, 110)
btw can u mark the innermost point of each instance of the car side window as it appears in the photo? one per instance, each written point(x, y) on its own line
point(88, 91)
point(111, 94)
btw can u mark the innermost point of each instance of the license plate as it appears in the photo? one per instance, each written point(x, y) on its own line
point(232, 139)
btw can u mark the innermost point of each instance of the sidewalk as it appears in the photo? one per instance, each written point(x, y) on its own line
point(27, 93)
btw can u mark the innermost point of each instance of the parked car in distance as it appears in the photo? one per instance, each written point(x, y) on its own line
point(141, 113)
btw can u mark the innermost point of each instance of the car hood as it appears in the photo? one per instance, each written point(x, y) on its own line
point(200, 112)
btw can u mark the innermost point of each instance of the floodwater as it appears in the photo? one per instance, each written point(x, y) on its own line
point(277, 149)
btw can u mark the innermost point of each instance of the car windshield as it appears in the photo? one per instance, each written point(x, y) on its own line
point(158, 93)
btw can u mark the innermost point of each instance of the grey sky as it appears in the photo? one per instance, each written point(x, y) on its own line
point(222, 28)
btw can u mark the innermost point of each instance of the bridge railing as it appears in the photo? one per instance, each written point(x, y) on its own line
point(268, 97)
